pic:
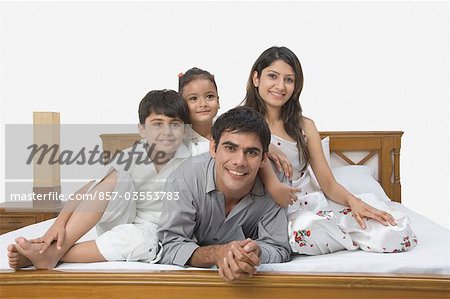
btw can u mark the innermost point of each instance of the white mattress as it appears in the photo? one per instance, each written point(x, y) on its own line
point(431, 255)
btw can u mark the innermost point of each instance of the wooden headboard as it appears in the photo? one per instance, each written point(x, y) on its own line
point(385, 145)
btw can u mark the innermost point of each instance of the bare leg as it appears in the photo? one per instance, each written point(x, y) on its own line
point(72, 205)
point(85, 217)
point(15, 259)
point(30, 251)
point(84, 252)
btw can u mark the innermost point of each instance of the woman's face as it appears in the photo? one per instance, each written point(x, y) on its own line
point(202, 99)
point(275, 84)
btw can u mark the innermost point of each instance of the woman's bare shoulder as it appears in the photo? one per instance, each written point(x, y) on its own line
point(308, 125)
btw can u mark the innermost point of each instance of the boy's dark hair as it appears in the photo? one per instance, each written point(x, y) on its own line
point(194, 74)
point(245, 120)
point(166, 102)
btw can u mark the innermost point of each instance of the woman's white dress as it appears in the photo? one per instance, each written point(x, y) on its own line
point(317, 225)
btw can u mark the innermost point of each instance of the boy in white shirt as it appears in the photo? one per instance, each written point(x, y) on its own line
point(127, 222)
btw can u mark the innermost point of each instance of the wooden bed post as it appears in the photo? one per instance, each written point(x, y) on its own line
point(386, 165)
point(390, 163)
point(397, 185)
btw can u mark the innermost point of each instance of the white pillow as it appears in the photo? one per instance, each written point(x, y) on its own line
point(358, 179)
point(326, 148)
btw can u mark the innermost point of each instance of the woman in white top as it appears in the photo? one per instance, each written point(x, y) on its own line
point(316, 224)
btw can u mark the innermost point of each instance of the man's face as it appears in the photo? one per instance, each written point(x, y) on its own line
point(163, 131)
point(238, 157)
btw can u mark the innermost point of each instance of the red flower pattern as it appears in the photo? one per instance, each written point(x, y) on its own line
point(300, 237)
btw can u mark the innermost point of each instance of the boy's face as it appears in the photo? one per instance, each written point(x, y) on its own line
point(163, 131)
point(239, 156)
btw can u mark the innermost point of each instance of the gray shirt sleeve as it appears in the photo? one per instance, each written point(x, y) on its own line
point(272, 235)
point(177, 223)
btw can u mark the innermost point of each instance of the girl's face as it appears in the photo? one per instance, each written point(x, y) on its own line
point(202, 99)
point(275, 84)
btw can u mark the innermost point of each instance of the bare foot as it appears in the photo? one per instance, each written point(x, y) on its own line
point(31, 251)
point(15, 259)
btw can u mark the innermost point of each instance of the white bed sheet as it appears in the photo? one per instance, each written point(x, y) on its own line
point(430, 256)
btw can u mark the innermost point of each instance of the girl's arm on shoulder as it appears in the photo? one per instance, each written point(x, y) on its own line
point(281, 193)
point(280, 160)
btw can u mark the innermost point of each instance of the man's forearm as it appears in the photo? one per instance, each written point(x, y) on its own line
point(205, 256)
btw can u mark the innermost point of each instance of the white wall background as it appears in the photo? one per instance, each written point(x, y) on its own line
point(367, 66)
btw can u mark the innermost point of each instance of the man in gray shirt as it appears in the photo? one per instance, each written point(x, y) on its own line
point(217, 211)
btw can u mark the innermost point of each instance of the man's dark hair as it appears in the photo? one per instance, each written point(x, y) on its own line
point(245, 120)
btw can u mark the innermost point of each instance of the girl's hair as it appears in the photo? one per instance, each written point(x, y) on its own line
point(194, 74)
point(165, 102)
point(291, 112)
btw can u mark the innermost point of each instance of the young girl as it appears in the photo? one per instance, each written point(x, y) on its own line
point(316, 225)
point(199, 90)
point(127, 222)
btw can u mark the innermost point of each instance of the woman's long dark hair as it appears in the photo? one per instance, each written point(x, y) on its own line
point(291, 112)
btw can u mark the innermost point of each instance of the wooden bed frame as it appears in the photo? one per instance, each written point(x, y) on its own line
point(207, 284)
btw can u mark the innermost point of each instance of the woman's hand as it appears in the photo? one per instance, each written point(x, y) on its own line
point(283, 194)
point(282, 163)
point(55, 233)
point(360, 210)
